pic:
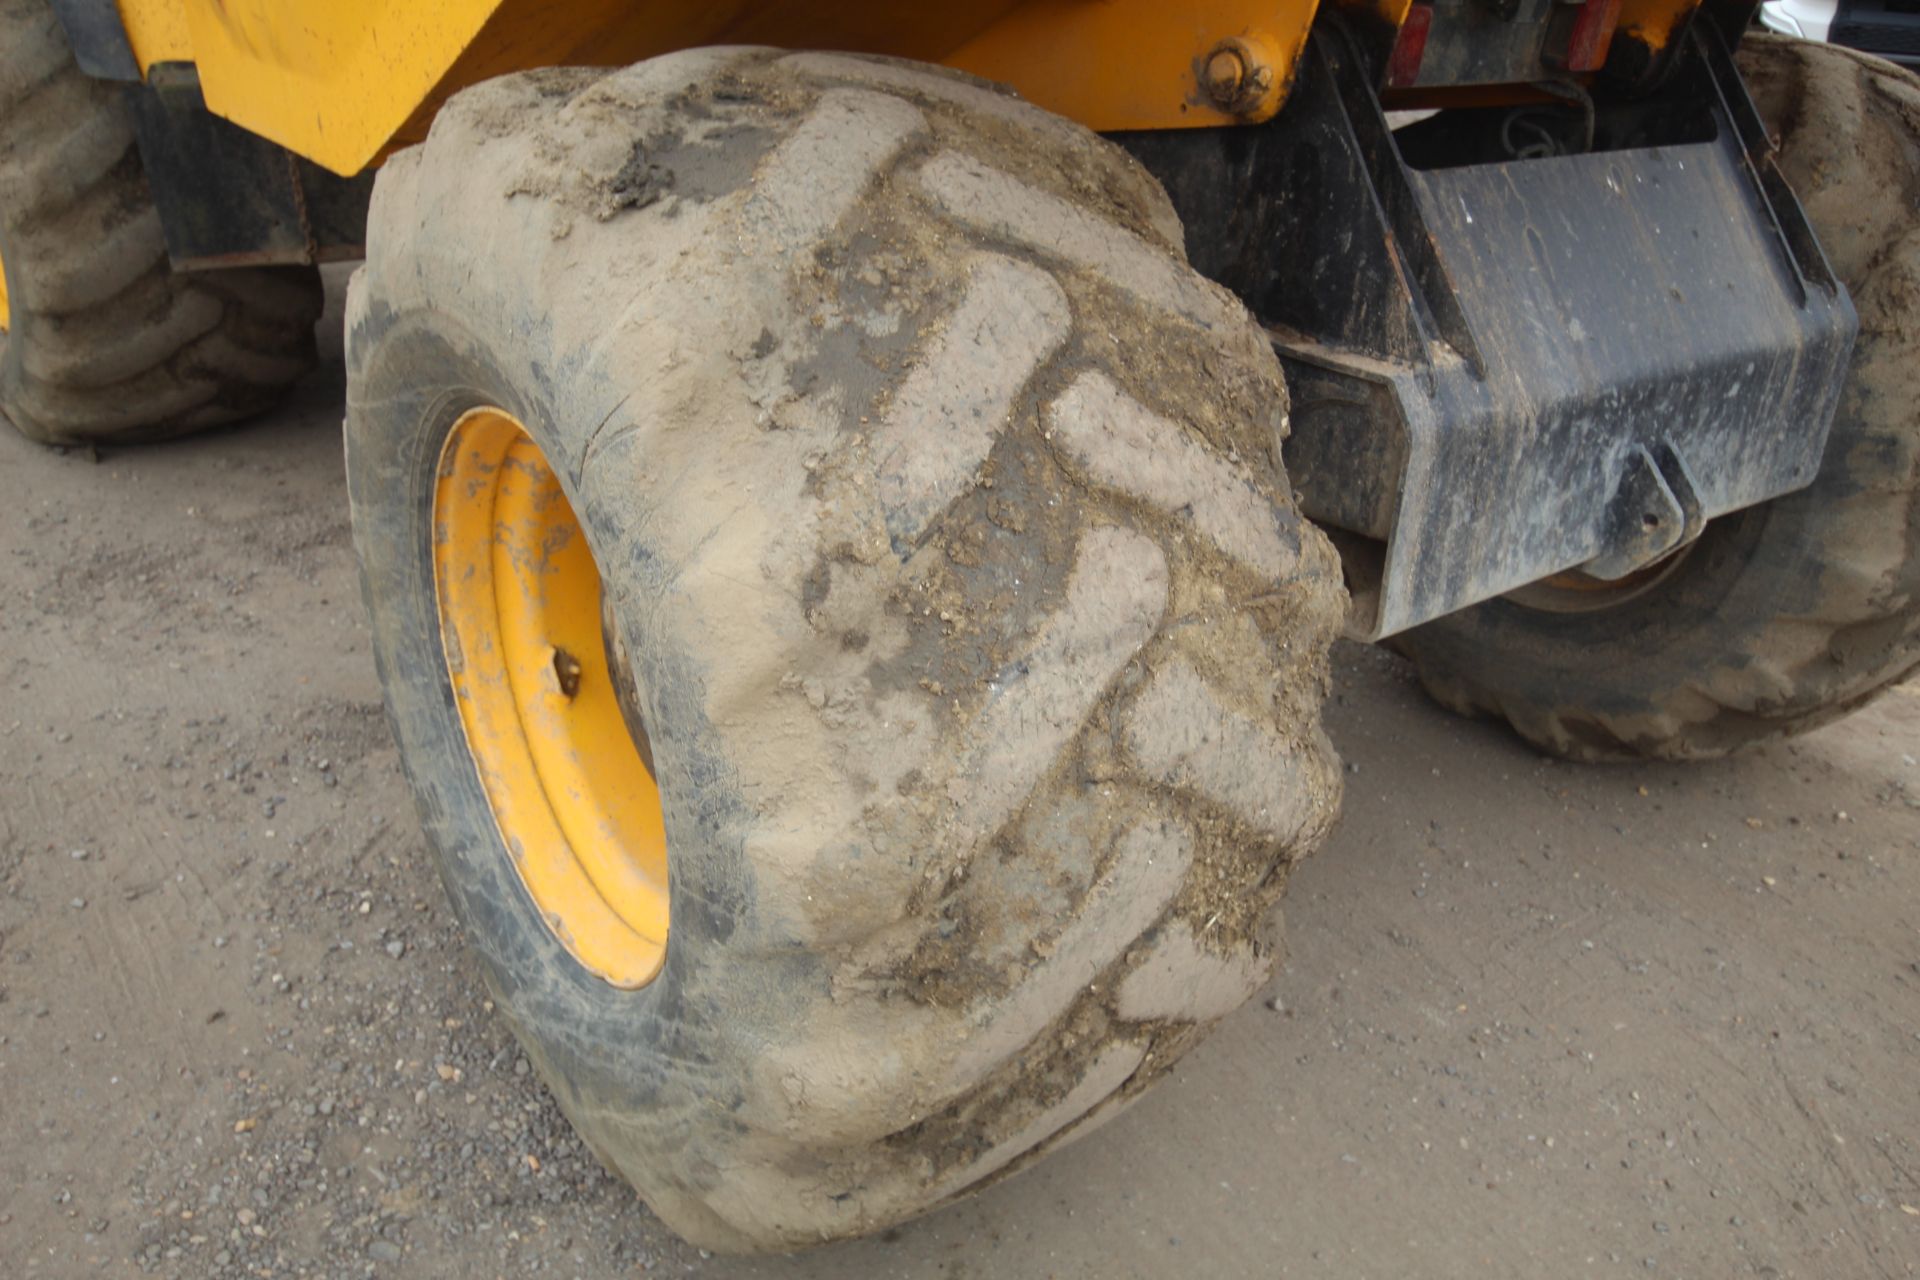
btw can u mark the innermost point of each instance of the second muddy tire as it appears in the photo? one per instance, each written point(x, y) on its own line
point(1783, 616)
point(103, 341)
point(979, 642)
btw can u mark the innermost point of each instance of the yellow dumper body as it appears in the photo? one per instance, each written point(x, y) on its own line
point(343, 82)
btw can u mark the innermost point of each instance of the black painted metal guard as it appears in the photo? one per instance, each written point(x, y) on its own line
point(226, 197)
point(1503, 371)
point(230, 198)
point(98, 38)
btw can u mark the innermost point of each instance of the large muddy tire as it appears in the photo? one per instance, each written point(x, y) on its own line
point(937, 505)
point(100, 340)
point(1787, 615)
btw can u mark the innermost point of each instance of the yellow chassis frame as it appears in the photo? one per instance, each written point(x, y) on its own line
point(343, 82)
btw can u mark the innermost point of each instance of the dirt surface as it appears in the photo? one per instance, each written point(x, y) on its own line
point(1538, 1020)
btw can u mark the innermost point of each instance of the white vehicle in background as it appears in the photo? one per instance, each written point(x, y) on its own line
point(1886, 28)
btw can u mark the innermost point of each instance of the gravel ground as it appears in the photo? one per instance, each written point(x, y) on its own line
point(1538, 1020)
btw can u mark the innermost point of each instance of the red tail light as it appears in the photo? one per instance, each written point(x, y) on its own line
point(1592, 35)
point(1403, 65)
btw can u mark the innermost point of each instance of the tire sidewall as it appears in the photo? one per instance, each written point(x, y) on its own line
point(598, 1043)
point(1744, 571)
point(1711, 628)
point(9, 349)
point(18, 334)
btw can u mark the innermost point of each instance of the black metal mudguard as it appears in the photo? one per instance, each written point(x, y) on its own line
point(1501, 371)
point(230, 198)
point(226, 197)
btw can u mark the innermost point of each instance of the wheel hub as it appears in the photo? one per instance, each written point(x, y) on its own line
point(1577, 592)
point(532, 672)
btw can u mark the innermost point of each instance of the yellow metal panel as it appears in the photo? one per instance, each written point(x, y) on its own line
point(614, 33)
point(1136, 64)
point(343, 81)
point(329, 79)
point(1653, 22)
point(157, 30)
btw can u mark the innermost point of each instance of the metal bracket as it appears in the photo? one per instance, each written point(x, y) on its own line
point(1502, 369)
point(1657, 510)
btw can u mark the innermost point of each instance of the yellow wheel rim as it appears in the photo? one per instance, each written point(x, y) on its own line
point(520, 618)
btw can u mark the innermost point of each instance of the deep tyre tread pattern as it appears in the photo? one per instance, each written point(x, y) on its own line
point(106, 342)
point(1788, 615)
point(979, 641)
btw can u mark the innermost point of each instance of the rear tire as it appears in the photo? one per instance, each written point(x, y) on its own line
point(977, 638)
point(103, 341)
point(1787, 615)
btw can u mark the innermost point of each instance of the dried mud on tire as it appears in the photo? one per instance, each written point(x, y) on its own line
point(979, 640)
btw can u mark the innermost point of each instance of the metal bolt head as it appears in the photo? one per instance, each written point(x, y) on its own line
point(1238, 76)
point(1226, 76)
